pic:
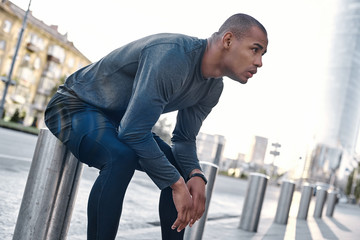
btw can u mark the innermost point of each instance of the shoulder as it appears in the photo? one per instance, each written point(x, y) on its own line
point(178, 41)
point(178, 46)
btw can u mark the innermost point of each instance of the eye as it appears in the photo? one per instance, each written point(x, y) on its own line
point(255, 50)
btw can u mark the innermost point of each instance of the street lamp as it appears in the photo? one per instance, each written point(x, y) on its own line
point(8, 82)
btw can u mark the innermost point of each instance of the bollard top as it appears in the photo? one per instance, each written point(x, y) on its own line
point(259, 175)
point(308, 184)
point(288, 181)
point(320, 188)
point(209, 163)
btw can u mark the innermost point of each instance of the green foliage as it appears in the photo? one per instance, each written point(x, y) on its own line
point(262, 171)
point(357, 190)
point(19, 127)
point(349, 183)
point(225, 173)
point(243, 176)
point(16, 116)
point(60, 82)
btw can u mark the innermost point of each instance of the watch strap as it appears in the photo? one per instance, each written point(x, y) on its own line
point(199, 175)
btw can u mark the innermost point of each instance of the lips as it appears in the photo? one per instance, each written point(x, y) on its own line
point(251, 73)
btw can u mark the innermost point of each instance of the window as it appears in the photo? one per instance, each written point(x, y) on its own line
point(54, 70)
point(40, 101)
point(57, 52)
point(46, 85)
point(26, 60)
point(2, 44)
point(37, 63)
point(21, 94)
point(71, 62)
point(7, 26)
point(36, 41)
point(27, 76)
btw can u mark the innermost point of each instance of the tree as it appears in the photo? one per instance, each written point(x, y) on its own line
point(60, 82)
point(349, 183)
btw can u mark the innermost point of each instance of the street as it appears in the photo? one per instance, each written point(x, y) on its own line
point(140, 216)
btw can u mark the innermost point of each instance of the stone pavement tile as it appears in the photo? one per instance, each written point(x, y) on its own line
point(344, 225)
point(150, 233)
point(229, 229)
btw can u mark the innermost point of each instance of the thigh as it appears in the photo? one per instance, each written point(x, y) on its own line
point(85, 122)
point(94, 141)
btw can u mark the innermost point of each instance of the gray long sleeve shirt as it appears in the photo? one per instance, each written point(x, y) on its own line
point(138, 82)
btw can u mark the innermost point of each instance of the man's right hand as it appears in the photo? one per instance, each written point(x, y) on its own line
point(183, 204)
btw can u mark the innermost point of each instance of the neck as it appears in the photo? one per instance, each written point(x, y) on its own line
point(210, 66)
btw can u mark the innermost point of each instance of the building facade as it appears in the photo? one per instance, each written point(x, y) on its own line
point(210, 147)
point(45, 58)
point(337, 136)
point(257, 151)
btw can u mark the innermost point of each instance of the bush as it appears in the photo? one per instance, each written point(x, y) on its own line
point(16, 116)
point(19, 127)
point(243, 176)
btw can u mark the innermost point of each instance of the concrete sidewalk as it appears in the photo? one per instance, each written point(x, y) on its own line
point(344, 225)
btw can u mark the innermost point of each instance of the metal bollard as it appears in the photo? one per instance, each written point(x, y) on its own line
point(197, 230)
point(331, 202)
point(253, 202)
point(283, 208)
point(320, 201)
point(306, 195)
point(50, 191)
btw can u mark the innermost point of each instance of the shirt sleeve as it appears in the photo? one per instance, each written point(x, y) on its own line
point(153, 86)
point(187, 127)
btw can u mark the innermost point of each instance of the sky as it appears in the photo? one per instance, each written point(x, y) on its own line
point(282, 102)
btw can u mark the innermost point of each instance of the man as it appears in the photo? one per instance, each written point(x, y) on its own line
point(104, 114)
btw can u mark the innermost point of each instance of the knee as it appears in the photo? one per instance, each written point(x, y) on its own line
point(123, 156)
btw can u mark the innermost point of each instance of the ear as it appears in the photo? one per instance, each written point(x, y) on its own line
point(227, 39)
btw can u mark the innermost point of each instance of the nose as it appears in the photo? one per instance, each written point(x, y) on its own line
point(258, 62)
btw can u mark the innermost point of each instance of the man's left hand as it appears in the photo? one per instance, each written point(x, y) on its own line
point(196, 187)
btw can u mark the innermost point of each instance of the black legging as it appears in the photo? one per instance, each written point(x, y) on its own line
point(93, 140)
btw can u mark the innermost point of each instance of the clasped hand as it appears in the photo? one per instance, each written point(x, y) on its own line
point(189, 200)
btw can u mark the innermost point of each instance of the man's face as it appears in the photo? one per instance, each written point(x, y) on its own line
point(243, 57)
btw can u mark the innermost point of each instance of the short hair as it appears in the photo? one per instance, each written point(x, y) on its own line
point(239, 24)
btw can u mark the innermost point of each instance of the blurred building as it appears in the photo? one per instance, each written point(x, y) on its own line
point(338, 134)
point(45, 58)
point(256, 155)
point(229, 163)
point(210, 147)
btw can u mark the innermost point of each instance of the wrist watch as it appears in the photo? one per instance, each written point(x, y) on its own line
point(199, 175)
